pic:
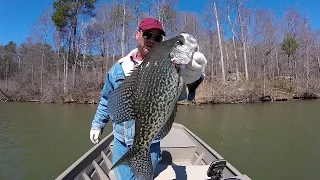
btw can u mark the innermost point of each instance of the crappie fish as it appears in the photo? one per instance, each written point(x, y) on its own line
point(149, 96)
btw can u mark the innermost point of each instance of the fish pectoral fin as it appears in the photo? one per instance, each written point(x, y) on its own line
point(139, 162)
point(184, 91)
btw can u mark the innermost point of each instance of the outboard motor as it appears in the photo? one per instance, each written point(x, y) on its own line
point(215, 169)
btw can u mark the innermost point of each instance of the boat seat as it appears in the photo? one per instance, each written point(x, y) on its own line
point(178, 146)
point(189, 172)
point(198, 172)
point(176, 138)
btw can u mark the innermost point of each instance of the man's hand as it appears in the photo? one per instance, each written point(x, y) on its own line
point(94, 136)
point(195, 68)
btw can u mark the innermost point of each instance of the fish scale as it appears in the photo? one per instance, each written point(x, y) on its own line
point(149, 96)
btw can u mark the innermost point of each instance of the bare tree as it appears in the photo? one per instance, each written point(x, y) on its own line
point(41, 29)
point(168, 16)
point(40, 68)
point(233, 41)
point(266, 29)
point(9, 52)
point(223, 75)
point(294, 23)
point(103, 28)
point(242, 38)
point(309, 65)
point(123, 52)
point(210, 40)
point(228, 59)
point(136, 6)
point(189, 23)
point(317, 57)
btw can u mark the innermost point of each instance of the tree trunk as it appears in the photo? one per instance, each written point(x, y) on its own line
point(228, 60)
point(74, 56)
point(159, 13)
point(7, 69)
point(65, 72)
point(32, 73)
point(233, 44)
point(41, 71)
point(212, 58)
point(278, 65)
point(289, 65)
point(264, 75)
point(20, 72)
point(223, 75)
point(243, 42)
point(58, 63)
point(113, 45)
point(74, 49)
point(272, 68)
point(73, 67)
point(307, 69)
point(318, 59)
point(295, 67)
point(123, 30)
point(107, 59)
point(264, 80)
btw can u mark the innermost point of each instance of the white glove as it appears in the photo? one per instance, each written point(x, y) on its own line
point(195, 68)
point(94, 136)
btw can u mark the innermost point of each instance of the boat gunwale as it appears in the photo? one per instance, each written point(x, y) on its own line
point(231, 168)
point(101, 146)
point(81, 164)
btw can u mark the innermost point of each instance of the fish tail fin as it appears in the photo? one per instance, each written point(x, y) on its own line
point(139, 162)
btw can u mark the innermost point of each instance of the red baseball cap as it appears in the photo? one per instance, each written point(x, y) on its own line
point(150, 23)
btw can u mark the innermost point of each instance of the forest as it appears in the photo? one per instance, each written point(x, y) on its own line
point(253, 54)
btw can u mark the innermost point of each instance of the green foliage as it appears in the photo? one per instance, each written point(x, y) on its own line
point(7, 65)
point(10, 49)
point(290, 45)
point(67, 11)
point(59, 17)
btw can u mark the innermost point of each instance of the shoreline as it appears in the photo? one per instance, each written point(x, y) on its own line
point(184, 102)
point(209, 92)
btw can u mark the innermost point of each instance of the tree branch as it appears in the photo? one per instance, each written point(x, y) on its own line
point(8, 97)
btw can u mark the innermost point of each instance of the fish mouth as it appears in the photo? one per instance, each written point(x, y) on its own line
point(183, 54)
point(181, 57)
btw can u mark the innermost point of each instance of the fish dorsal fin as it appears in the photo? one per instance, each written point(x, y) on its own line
point(121, 100)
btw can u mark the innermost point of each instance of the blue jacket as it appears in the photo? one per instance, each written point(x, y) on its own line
point(123, 131)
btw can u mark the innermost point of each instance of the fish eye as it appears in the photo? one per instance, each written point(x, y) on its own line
point(179, 42)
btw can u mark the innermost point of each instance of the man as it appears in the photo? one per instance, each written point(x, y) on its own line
point(149, 33)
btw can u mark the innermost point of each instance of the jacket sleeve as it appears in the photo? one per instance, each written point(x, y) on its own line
point(102, 115)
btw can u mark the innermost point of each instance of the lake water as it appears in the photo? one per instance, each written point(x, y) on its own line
point(277, 140)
